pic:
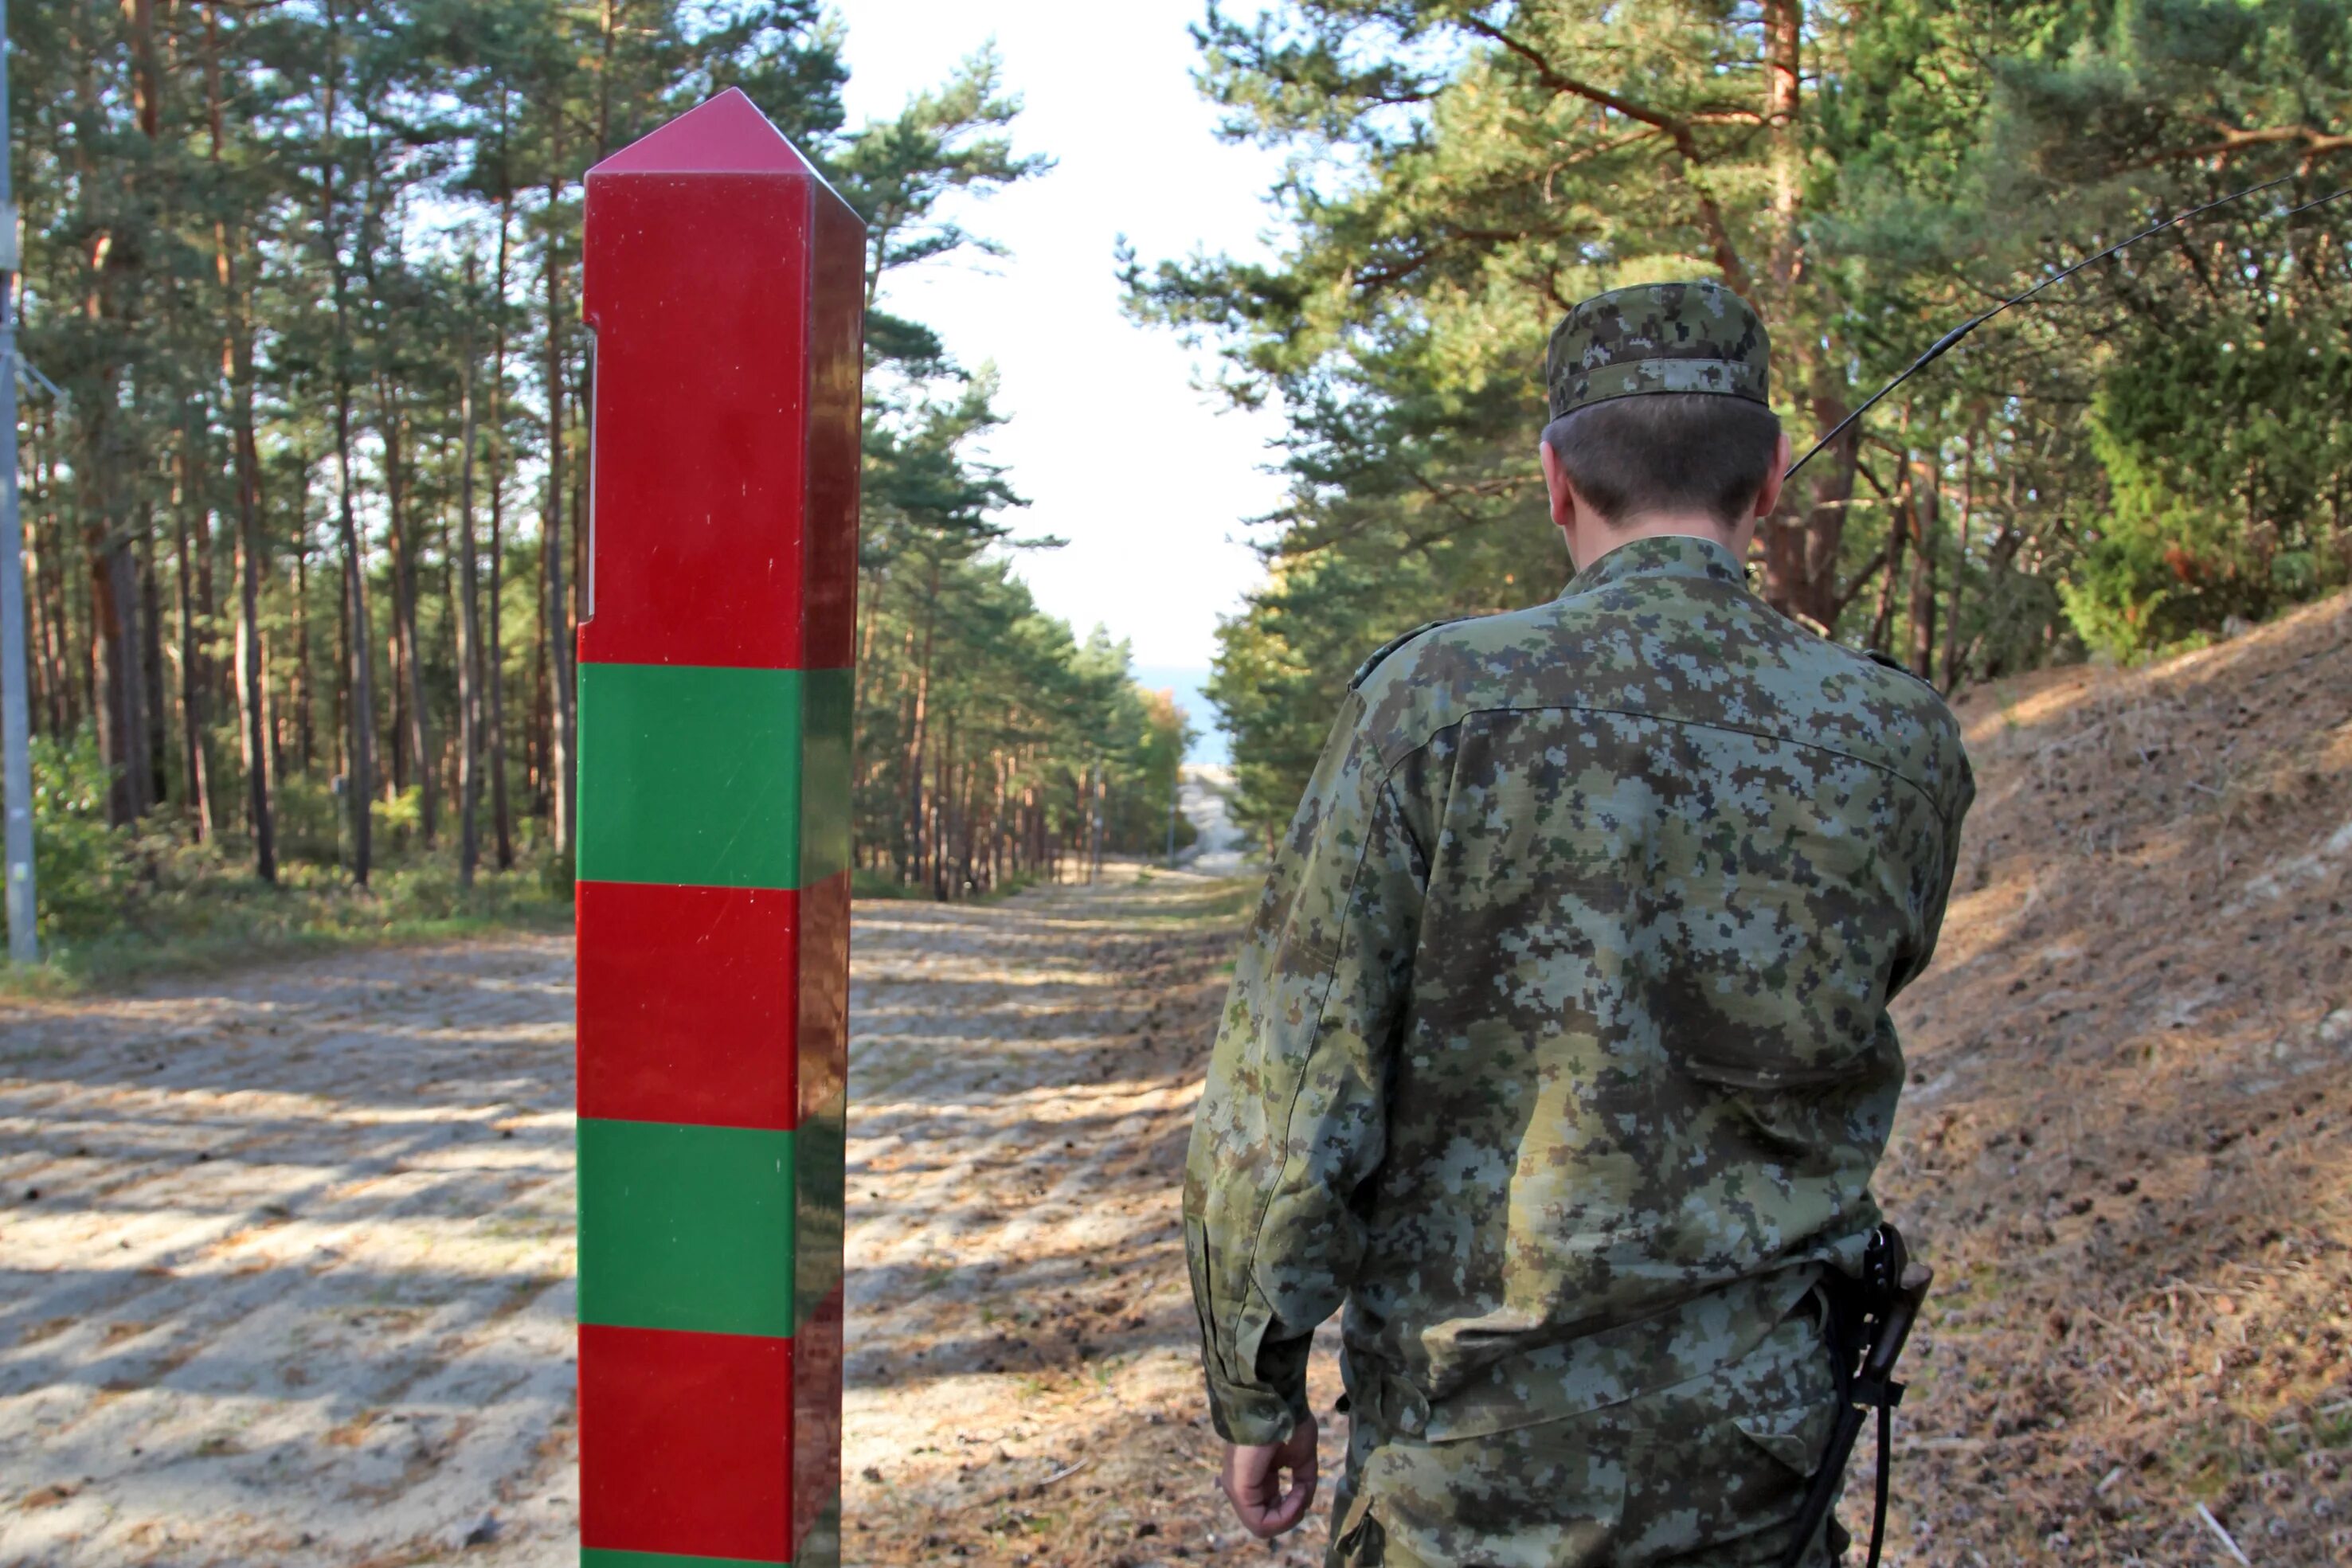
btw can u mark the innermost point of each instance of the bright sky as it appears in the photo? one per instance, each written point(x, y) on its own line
point(1146, 477)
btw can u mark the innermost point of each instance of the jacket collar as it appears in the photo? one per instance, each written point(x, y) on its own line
point(1667, 555)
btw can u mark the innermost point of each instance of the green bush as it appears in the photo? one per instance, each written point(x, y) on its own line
point(307, 818)
point(2228, 453)
point(82, 869)
point(400, 821)
point(117, 903)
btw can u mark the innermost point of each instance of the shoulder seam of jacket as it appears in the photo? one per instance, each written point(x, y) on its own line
point(1397, 645)
point(1942, 817)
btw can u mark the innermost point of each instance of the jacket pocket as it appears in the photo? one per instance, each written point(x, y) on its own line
point(1797, 1437)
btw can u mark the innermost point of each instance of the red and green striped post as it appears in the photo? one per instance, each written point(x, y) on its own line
point(725, 285)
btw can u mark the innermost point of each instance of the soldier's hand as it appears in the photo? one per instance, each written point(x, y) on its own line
point(1252, 1481)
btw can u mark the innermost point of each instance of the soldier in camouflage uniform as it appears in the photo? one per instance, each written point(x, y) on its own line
point(1558, 1049)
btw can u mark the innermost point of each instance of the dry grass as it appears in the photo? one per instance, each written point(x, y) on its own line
point(2129, 1142)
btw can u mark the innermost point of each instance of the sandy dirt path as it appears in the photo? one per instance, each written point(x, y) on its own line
point(286, 1265)
point(1025, 1374)
point(286, 1260)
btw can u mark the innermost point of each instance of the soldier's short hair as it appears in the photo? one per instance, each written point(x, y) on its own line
point(1668, 451)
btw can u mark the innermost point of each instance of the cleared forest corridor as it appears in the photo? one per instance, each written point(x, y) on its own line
point(285, 1258)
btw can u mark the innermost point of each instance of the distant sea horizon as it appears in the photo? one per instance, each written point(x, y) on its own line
point(1210, 748)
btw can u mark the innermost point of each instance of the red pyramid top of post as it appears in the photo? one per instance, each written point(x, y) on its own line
point(727, 135)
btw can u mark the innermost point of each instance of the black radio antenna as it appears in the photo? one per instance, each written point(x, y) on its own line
point(1950, 340)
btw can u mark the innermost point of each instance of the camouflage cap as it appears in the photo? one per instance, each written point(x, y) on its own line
point(1658, 338)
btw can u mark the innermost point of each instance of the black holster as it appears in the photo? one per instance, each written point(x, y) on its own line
point(1869, 1320)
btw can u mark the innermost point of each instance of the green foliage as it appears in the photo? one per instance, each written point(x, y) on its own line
point(81, 867)
point(2231, 462)
point(276, 256)
point(310, 820)
point(402, 818)
point(117, 905)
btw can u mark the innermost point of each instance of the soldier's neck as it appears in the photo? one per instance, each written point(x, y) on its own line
point(1589, 538)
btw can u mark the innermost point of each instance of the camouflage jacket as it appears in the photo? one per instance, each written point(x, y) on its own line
point(1558, 1048)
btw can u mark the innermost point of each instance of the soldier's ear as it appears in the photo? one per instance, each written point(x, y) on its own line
point(1555, 488)
point(1768, 497)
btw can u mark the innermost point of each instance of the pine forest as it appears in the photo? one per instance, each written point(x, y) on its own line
point(306, 386)
point(2154, 452)
point(304, 464)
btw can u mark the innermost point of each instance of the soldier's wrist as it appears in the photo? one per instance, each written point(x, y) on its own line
point(1250, 1417)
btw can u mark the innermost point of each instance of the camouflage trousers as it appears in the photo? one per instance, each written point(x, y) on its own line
point(1705, 1474)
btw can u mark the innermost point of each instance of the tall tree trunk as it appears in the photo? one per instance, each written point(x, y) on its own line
point(919, 731)
point(469, 651)
point(41, 699)
point(1801, 542)
point(1952, 650)
point(501, 813)
point(114, 643)
point(156, 746)
point(394, 761)
point(146, 68)
point(192, 662)
point(1898, 534)
point(562, 797)
point(144, 725)
point(302, 688)
point(256, 732)
point(1784, 35)
point(360, 721)
point(1926, 527)
point(543, 706)
point(1998, 553)
point(404, 597)
point(41, 584)
point(255, 729)
point(114, 656)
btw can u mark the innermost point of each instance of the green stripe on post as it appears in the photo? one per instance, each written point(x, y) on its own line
point(826, 699)
point(691, 776)
point(685, 1227)
point(821, 1207)
point(821, 1547)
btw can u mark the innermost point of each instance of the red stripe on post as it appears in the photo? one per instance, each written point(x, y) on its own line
point(835, 436)
point(821, 1054)
point(702, 393)
point(688, 1010)
point(816, 1416)
point(686, 1443)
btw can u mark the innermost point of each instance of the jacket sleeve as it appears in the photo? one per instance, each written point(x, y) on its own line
point(1293, 1118)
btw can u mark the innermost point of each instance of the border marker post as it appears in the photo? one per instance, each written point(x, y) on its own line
point(725, 282)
